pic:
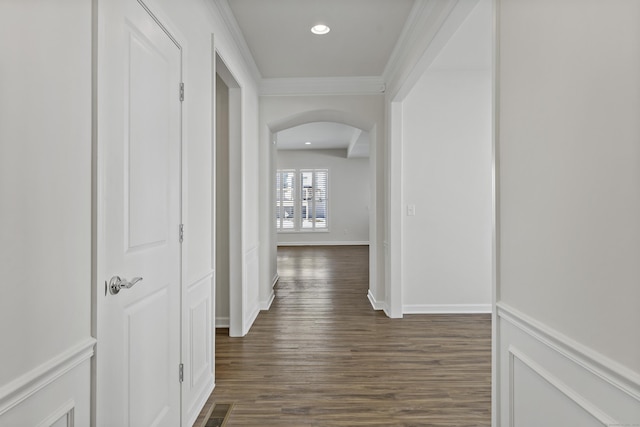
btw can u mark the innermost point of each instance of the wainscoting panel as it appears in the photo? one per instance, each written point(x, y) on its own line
point(546, 379)
point(63, 417)
point(55, 394)
point(198, 362)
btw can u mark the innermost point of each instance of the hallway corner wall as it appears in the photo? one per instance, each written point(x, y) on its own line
point(446, 176)
point(370, 108)
point(349, 197)
point(205, 34)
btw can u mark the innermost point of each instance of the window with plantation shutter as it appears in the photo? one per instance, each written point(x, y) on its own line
point(313, 199)
point(302, 200)
point(285, 199)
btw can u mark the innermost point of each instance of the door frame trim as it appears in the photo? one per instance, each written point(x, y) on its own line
point(238, 326)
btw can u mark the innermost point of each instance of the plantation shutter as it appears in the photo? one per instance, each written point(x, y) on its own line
point(302, 205)
point(321, 185)
point(313, 199)
point(285, 200)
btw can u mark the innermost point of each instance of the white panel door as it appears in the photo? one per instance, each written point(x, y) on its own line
point(139, 152)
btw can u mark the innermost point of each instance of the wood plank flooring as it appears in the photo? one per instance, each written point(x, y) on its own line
point(323, 357)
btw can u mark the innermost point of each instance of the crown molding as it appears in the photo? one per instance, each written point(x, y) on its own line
point(416, 48)
point(322, 86)
point(224, 11)
point(407, 37)
point(414, 41)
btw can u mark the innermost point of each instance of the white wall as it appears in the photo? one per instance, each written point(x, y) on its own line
point(348, 201)
point(369, 110)
point(569, 210)
point(446, 176)
point(45, 188)
point(197, 22)
point(250, 161)
point(45, 157)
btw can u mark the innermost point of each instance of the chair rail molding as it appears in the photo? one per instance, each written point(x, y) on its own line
point(536, 363)
point(617, 375)
point(25, 386)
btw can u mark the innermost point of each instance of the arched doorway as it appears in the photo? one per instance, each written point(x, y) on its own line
point(365, 126)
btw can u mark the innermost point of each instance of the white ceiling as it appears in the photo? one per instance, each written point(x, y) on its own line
point(322, 135)
point(362, 37)
point(325, 136)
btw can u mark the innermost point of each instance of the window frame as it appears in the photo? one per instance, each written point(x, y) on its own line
point(298, 183)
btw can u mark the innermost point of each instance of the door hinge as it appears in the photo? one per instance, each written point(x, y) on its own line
point(181, 372)
point(181, 233)
point(181, 91)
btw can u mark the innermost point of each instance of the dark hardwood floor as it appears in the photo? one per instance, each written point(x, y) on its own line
point(323, 357)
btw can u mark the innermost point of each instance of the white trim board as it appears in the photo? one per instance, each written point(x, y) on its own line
point(25, 386)
point(417, 49)
point(222, 322)
point(377, 305)
point(229, 19)
point(446, 308)
point(266, 305)
point(341, 243)
point(67, 410)
point(201, 401)
point(250, 320)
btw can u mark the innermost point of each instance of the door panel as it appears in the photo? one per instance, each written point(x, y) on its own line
point(148, 341)
point(139, 148)
point(148, 142)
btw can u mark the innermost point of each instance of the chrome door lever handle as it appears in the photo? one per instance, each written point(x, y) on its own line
point(133, 281)
point(116, 283)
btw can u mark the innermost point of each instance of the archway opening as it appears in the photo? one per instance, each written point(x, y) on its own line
point(358, 147)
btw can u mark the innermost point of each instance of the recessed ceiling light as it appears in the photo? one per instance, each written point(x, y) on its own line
point(320, 29)
point(307, 143)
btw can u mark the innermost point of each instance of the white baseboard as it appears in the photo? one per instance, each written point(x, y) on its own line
point(200, 402)
point(445, 308)
point(222, 322)
point(266, 305)
point(377, 305)
point(275, 280)
point(251, 318)
point(537, 366)
point(340, 243)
